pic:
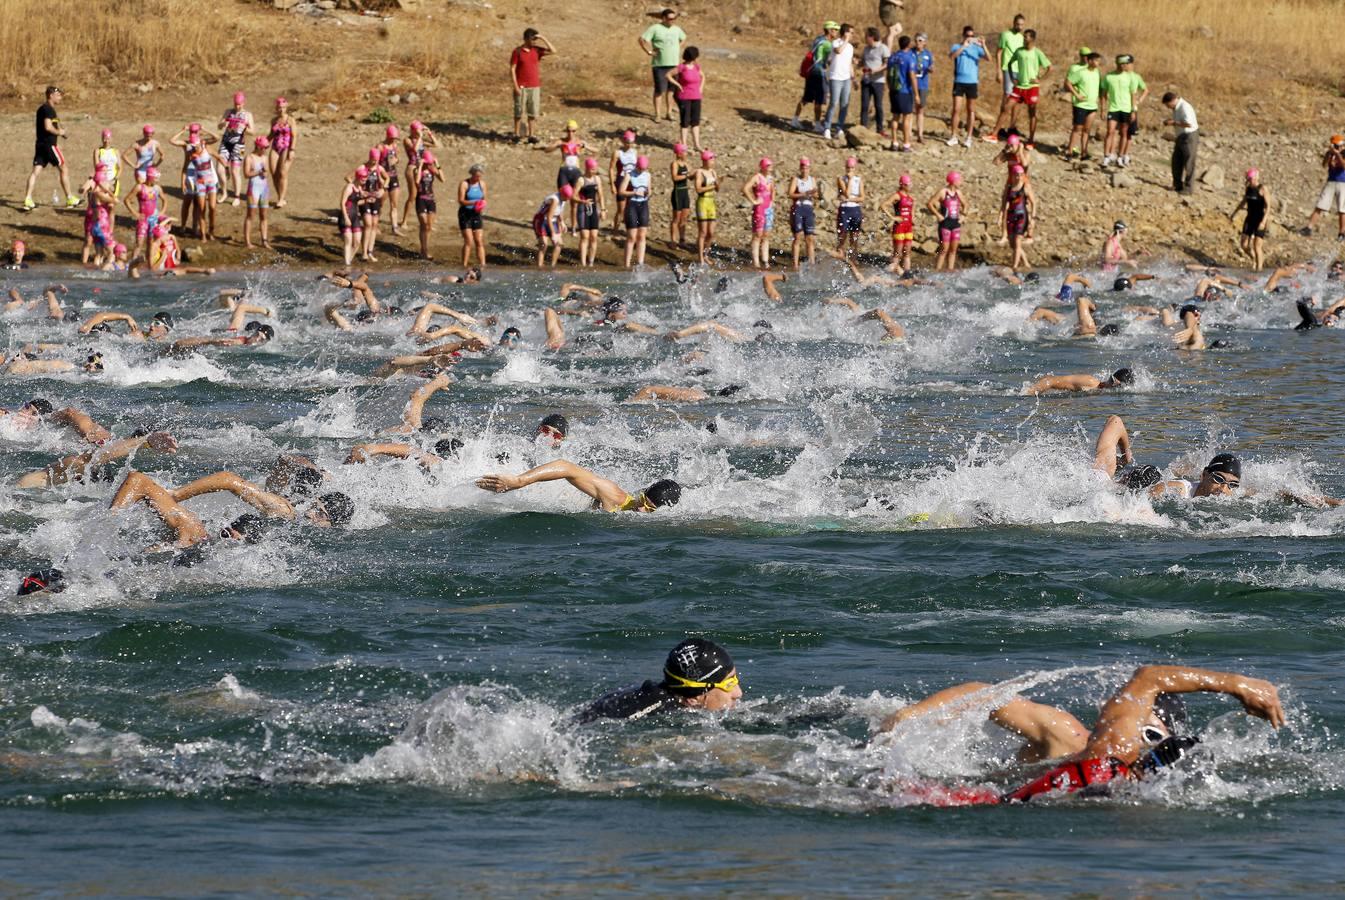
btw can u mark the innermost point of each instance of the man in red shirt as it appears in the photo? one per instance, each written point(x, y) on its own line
point(525, 70)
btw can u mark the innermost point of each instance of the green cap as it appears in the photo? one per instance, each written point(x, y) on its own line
point(1085, 51)
point(829, 25)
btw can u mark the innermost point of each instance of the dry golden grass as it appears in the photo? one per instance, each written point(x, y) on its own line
point(157, 41)
point(1225, 50)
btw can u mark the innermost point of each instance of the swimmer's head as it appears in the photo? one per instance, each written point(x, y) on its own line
point(555, 427)
point(1170, 710)
point(304, 481)
point(1253, 175)
point(628, 136)
point(1188, 309)
point(50, 581)
point(162, 324)
point(1223, 475)
point(805, 163)
point(571, 125)
point(391, 133)
point(70, 317)
point(365, 316)
point(262, 142)
point(38, 406)
point(432, 424)
point(566, 191)
point(1013, 140)
point(703, 674)
point(194, 128)
point(510, 337)
point(851, 162)
point(1121, 284)
point(375, 154)
point(707, 156)
point(107, 134)
point(766, 164)
point(766, 337)
point(614, 308)
point(954, 178)
point(362, 172)
point(332, 510)
point(1139, 478)
point(1118, 227)
point(664, 492)
point(476, 170)
point(641, 163)
point(1066, 293)
point(1119, 378)
point(240, 98)
point(1016, 169)
point(904, 180)
point(282, 103)
point(447, 448)
point(1109, 330)
point(148, 131)
point(1032, 277)
point(93, 363)
point(260, 332)
point(728, 391)
point(679, 150)
point(249, 528)
point(119, 251)
point(152, 174)
point(722, 284)
point(590, 165)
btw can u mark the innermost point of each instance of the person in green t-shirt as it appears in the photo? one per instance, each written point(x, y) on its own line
point(1084, 80)
point(662, 42)
point(1122, 93)
point(1009, 42)
point(1030, 66)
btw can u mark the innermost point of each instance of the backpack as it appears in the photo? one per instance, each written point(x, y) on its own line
point(806, 67)
point(821, 50)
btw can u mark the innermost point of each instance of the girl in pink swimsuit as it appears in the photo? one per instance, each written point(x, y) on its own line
point(283, 135)
point(950, 206)
point(760, 192)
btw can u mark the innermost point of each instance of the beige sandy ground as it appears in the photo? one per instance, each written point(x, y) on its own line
point(751, 92)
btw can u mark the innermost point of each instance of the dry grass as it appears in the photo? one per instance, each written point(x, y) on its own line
point(1221, 50)
point(81, 42)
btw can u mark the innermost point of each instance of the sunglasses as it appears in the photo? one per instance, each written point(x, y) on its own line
point(1221, 478)
point(728, 684)
point(550, 432)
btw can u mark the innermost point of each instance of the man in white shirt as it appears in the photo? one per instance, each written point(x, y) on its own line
point(1187, 130)
point(840, 72)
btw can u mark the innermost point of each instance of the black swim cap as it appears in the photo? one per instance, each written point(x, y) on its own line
point(165, 319)
point(1226, 463)
point(1123, 376)
point(613, 304)
point(50, 580)
point(1188, 308)
point(1121, 284)
point(698, 661)
point(364, 315)
point(431, 424)
point(41, 406)
point(447, 447)
point(1031, 277)
point(722, 284)
point(266, 331)
point(729, 391)
point(1171, 711)
point(1307, 319)
point(393, 310)
point(762, 323)
point(1219, 344)
point(250, 527)
point(556, 421)
point(304, 480)
point(664, 492)
point(340, 509)
point(1111, 328)
point(1139, 478)
point(100, 328)
point(70, 317)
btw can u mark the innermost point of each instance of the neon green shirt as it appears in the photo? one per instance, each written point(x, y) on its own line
point(1087, 81)
point(1028, 64)
point(667, 44)
point(1009, 43)
point(1121, 88)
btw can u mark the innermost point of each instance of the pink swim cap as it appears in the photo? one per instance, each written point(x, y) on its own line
point(1253, 174)
point(375, 154)
point(805, 161)
point(1016, 169)
point(707, 155)
point(239, 99)
point(19, 245)
point(641, 162)
point(416, 126)
point(362, 172)
point(1013, 140)
point(119, 249)
point(107, 134)
point(392, 131)
point(194, 128)
point(262, 142)
point(679, 149)
point(281, 101)
point(954, 177)
point(628, 136)
point(428, 157)
point(851, 162)
point(591, 164)
point(159, 231)
point(765, 163)
point(148, 129)
point(151, 173)
point(905, 179)
point(566, 191)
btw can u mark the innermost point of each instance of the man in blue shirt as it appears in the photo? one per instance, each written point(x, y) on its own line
point(924, 64)
point(902, 90)
point(966, 58)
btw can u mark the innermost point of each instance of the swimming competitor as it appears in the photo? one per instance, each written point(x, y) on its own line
point(255, 334)
point(145, 153)
point(159, 328)
point(92, 463)
point(235, 125)
point(607, 495)
point(1080, 383)
point(706, 188)
point(284, 135)
point(253, 171)
point(698, 674)
point(759, 191)
point(667, 393)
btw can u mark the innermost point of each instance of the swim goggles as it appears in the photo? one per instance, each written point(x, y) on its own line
point(1221, 478)
point(677, 681)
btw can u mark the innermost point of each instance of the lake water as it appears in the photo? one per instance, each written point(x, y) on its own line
point(383, 709)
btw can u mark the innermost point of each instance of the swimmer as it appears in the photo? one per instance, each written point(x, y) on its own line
point(387, 158)
point(680, 174)
point(666, 393)
point(1256, 225)
point(803, 197)
point(1018, 210)
point(235, 125)
point(472, 199)
point(418, 139)
point(635, 191)
point(1080, 383)
point(158, 330)
point(892, 330)
point(620, 165)
point(552, 430)
point(424, 333)
point(255, 334)
point(146, 202)
point(293, 476)
point(607, 495)
point(42, 581)
point(1309, 318)
point(1190, 337)
point(444, 448)
point(590, 205)
point(76, 467)
point(145, 153)
point(1290, 271)
point(850, 208)
point(900, 211)
point(950, 205)
point(548, 224)
point(698, 674)
point(1212, 287)
point(613, 315)
point(1113, 250)
point(768, 282)
point(1139, 730)
point(1004, 273)
point(284, 137)
point(53, 303)
point(1128, 281)
point(39, 409)
point(706, 188)
point(706, 327)
point(427, 172)
point(17, 250)
point(759, 192)
point(253, 170)
point(413, 419)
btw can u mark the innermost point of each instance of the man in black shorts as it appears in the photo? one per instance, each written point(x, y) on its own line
point(45, 151)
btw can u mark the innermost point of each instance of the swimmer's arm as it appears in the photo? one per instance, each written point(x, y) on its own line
point(1313, 501)
point(1112, 441)
point(361, 453)
point(606, 492)
point(139, 487)
point(80, 421)
point(427, 312)
point(935, 701)
point(243, 310)
point(1334, 309)
point(843, 301)
point(411, 416)
point(894, 330)
point(638, 328)
point(555, 332)
point(668, 393)
point(332, 313)
point(439, 334)
point(264, 501)
point(768, 285)
point(103, 317)
point(1076, 278)
point(54, 310)
point(451, 313)
point(1224, 279)
point(1118, 724)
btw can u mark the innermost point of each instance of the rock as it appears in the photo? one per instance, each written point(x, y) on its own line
point(930, 246)
point(395, 99)
point(327, 5)
point(1205, 31)
point(1213, 178)
point(1123, 180)
point(285, 4)
point(144, 88)
point(391, 85)
point(859, 136)
point(412, 97)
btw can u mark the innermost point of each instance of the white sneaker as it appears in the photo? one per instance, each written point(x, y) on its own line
point(827, 134)
point(952, 141)
point(1108, 161)
point(1122, 161)
point(795, 123)
point(967, 142)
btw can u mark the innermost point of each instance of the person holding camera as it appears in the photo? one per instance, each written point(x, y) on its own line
point(1333, 195)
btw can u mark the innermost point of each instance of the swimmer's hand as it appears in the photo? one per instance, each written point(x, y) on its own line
point(161, 441)
point(1261, 699)
point(499, 484)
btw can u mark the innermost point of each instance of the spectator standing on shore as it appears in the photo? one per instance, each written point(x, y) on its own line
point(1084, 81)
point(1009, 43)
point(966, 58)
point(924, 65)
point(662, 41)
point(525, 72)
point(45, 150)
point(1122, 91)
point(1333, 195)
point(903, 88)
point(873, 78)
point(1183, 122)
point(689, 81)
point(814, 72)
point(1030, 66)
point(840, 74)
